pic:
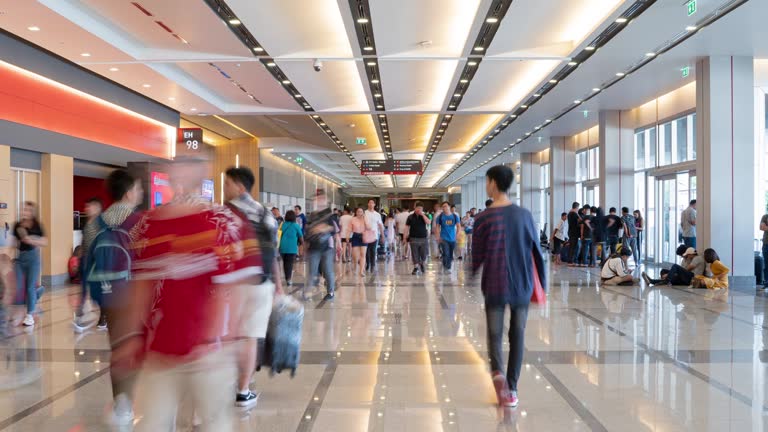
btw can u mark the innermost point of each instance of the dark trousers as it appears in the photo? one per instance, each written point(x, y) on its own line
point(595, 244)
point(116, 305)
point(613, 241)
point(446, 249)
point(638, 247)
point(690, 241)
point(370, 255)
point(574, 250)
point(419, 248)
point(494, 316)
point(679, 276)
point(765, 264)
point(586, 252)
point(288, 260)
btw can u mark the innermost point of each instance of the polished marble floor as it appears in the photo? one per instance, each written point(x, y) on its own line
point(403, 353)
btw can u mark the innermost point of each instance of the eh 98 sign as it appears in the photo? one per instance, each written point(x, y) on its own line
point(189, 141)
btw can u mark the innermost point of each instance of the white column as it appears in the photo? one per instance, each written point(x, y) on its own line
point(562, 176)
point(724, 166)
point(617, 163)
point(530, 178)
point(481, 195)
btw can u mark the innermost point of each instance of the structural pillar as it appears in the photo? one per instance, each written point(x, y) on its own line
point(562, 176)
point(724, 166)
point(56, 215)
point(530, 179)
point(5, 189)
point(617, 162)
point(238, 152)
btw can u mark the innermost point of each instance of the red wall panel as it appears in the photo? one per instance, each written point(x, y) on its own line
point(85, 188)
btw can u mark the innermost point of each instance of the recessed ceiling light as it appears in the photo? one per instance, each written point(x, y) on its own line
point(379, 106)
point(85, 54)
point(315, 116)
point(297, 96)
point(271, 64)
point(286, 82)
point(620, 74)
point(527, 133)
point(492, 20)
point(193, 109)
point(472, 63)
point(621, 20)
point(371, 63)
point(479, 48)
point(374, 81)
point(146, 85)
point(650, 54)
point(536, 95)
point(381, 115)
point(451, 106)
point(523, 106)
point(448, 116)
point(464, 81)
point(235, 21)
point(377, 95)
point(596, 89)
point(691, 28)
point(258, 49)
point(547, 121)
point(513, 116)
point(362, 20)
point(457, 94)
point(553, 81)
point(33, 28)
point(577, 101)
point(572, 63)
point(171, 98)
point(589, 48)
point(368, 48)
point(113, 69)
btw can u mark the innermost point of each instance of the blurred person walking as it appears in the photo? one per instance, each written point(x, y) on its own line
point(30, 237)
point(319, 234)
point(290, 241)
point(93, 209)
point(192, 257)
point(418, 229)
point(507, 249)
point(359, 248)
point(375, 224)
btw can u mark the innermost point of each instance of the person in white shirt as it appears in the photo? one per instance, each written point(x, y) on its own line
point(615, 270)
point(400, 221)
point(345, 222)
point(560, 236)
point(373, 219)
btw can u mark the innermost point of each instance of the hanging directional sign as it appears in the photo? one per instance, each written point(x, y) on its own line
point(391, 167)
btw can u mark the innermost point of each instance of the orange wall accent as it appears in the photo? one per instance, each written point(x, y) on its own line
point(36, 101)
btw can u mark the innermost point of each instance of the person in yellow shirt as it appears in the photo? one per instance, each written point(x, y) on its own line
point(719, 271)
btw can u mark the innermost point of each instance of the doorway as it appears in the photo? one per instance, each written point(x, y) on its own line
point(670, 195)
point(25, 186)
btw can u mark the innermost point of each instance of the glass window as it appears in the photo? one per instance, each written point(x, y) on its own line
point(665, 146)
point(652, 144)
point(682, 139)
point(581, 166)
point(640, 150)
point(594, 163)
point(692, 121)
point(544, 182)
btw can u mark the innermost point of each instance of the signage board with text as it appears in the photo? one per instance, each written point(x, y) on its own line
point(391, 167)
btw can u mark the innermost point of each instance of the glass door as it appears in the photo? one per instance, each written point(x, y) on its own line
point(672, 195)
point(667, 240)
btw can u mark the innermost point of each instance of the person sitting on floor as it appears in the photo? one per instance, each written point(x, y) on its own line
point(615, 270)
point(719, 271)
point(692, 265)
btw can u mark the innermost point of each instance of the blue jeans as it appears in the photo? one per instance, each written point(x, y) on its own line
point(629, 242)
point(446, 249)
point(765, 264)
point(690, 241)
point(586, 252)
point(322, 260)
point(27, 274)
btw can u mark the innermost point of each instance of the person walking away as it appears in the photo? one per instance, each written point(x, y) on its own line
point(345, 225)
point(390, 230)
point(435, 238)
point(30, 237)
point(587, 258)
point(764, 229)
point(598, 235)
point(469, 228)
point(688, 224)
point(507, 249)
point(559, 236)
point(374, 223)
point(448, 224)
point(612, 226)
point(630, 232)
point(719, 279)
point(256, 298)
point(400, 220)
point(359, 248)
point(574, 233)
point(615, 270)
point(416, 235)
point(291, 238)
point(640, 228)
point(112, 293)
point(93, 208)
point(192, 257)
point(319, 234)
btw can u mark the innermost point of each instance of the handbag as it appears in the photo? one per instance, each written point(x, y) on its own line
point(538, 296)
point(369, 236)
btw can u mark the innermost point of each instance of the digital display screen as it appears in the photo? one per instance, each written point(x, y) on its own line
point(160, 189)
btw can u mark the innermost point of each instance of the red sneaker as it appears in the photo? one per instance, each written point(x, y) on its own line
point(500, 384)
point(509, 399)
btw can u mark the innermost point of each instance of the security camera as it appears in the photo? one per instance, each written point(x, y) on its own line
point(318, 65)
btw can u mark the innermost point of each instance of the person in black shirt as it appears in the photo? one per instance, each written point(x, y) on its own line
point(612, 225)
point(587, 259)
point(319, 235)
point(574, 232)
point(416, 235)
point(598, 233)
point(30, 238)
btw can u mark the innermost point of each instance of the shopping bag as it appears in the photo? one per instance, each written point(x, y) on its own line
point(538, 296)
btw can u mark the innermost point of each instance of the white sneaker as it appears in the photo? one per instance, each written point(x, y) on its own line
point(29, 320)
point(122, 412)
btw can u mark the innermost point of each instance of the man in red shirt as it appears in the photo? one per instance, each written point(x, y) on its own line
point(189, 257)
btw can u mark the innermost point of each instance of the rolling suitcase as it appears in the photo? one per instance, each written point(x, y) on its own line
point(280, 350)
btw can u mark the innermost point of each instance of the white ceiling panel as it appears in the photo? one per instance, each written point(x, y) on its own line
point(349, 127)
point(416, 85)
point(425, 28)
point(410, 132)
point(500, 86)
point(336, 88)
point(465, 130)
point(296, 28)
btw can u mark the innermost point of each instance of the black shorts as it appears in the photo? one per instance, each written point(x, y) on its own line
point(401, 236)
point(343, 240)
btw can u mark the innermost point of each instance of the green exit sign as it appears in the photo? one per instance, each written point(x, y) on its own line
point(691, 6)
point(299, 159)
point(361, 141)
point(686, 71)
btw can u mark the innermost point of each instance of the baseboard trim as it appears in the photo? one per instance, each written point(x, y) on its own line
point(55, 280)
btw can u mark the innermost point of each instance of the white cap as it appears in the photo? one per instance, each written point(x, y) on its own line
point(689, 251)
